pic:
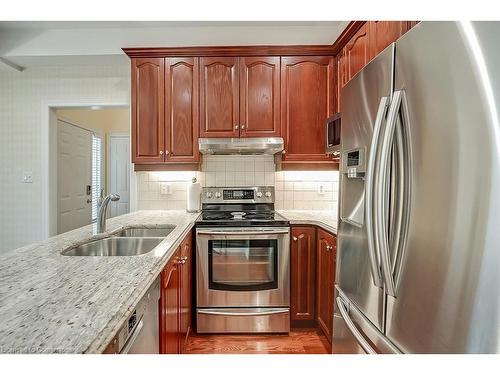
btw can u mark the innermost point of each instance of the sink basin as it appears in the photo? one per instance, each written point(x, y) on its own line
point(145, 232)
point(114, 246)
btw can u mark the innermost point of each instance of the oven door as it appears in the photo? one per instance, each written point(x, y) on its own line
point(243, 267)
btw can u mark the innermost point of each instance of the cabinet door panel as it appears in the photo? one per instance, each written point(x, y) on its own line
point(325, 281)
point(307, 87)
point(148, 110)
point(169, 308)
point(383, 33)
point(219, 101)
point(303, 273)
point(260, 96)
point(357, 51)
point(186, 288)
point(181, 109)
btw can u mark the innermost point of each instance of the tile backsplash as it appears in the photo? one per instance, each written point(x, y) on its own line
point(298, 190)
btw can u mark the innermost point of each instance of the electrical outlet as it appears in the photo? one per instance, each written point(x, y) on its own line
point(165, 189)
point(28, 177)
point(321, 189)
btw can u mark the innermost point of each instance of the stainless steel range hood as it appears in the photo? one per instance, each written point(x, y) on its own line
point(240, 146)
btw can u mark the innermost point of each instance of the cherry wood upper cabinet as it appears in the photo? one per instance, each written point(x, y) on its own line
point(148, 110)
point(307, 91)
point(219, 97)
point(383, 33)
point(186, 264)
point(303, 273)
point(169, 307)
point(327, 252)
point(259, 96)
point(340, 78)
point(181, 109)
point(357, 51)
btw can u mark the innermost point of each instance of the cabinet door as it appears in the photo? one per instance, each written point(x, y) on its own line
point(260, 96)
point(181, 109)
point(327, 250)
point(186, 288)
point(169, 305)
point(307, 90)
point(219, 100)
point(340, 78)
point(383, 33)
point(357, 51)
point(148, 110)
point(303, 273)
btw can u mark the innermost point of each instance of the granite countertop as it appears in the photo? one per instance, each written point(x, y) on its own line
point(324, 219)
point(51, 303)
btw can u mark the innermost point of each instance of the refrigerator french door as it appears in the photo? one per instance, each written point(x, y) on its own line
point(420, 196)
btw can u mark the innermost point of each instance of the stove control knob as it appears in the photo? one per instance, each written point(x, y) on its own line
point(259, 194)
point(209, 194)
point(217, 194)
point(268, 194)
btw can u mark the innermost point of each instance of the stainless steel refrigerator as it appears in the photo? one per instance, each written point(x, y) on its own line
point(418, 267)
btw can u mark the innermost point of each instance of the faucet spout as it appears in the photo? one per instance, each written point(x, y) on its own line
point(103, 208)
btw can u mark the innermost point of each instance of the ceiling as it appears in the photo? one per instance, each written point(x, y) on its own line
point(32, 44)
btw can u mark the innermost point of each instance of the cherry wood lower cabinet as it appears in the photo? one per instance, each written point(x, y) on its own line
point(303, 274)
point(312, 270)
point(175, 299)
point(327, 253)
point(186, 290)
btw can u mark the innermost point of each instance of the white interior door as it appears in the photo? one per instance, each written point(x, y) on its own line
point(74, 160)
point(119, 172)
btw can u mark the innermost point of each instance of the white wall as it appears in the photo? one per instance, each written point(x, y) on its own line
point(294, 190)
point(23, 99)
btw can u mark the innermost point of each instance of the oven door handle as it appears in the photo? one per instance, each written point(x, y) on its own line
point(253, 313)
point(242, 232)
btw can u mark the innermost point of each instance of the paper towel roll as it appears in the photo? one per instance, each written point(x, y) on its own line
point(193, 196)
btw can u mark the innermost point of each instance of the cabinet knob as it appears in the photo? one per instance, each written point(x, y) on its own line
point(236, 127)
point(167, 152)
point(328, 248)
point(283, 152)
point(161, 152)
point(242, 127)
point(295, 238)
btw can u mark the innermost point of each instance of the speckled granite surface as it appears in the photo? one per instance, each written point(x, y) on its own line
point(54, 303)
point(324, 219)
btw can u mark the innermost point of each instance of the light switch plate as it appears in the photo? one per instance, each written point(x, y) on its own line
point(165, 189)
point(28, 177)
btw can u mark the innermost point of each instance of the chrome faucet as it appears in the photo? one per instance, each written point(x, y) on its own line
point(101, 216)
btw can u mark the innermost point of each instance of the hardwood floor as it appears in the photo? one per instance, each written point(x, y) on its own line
point(300, 341)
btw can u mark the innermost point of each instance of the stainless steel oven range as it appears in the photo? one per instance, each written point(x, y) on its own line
point(242, 262)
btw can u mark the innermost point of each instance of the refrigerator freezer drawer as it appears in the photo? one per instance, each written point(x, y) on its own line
point(353, 333)
point(243, 320)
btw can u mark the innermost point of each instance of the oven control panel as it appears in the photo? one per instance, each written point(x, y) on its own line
point(261, 194)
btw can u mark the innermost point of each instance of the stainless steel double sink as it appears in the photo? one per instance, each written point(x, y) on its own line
point(126, 242)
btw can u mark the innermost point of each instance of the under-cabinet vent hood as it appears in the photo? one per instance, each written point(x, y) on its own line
point(241, 146)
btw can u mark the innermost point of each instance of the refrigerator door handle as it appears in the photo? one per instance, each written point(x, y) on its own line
point(352, 327)
point(369, 192)
point(398, 103)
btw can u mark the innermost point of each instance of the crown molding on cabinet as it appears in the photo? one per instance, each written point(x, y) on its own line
point(346, 35)
point(297, 50)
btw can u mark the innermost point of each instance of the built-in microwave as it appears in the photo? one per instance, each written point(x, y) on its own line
point(333, 135)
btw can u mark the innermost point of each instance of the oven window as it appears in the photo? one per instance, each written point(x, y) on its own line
point(243, 265)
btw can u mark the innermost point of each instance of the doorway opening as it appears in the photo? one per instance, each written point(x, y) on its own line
point(90, 158)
